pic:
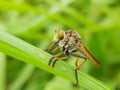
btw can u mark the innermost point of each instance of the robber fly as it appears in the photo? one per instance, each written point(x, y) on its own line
point(69, 42)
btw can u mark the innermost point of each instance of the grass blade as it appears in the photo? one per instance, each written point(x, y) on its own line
point(2, 71)
point(25, 52)
point(22, 77)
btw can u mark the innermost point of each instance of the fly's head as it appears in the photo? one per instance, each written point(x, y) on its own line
point(59, 35)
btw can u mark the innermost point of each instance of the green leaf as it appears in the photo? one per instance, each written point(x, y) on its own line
point(25, 52)
point(22, 77)
point(5, 5)
point(2, 71)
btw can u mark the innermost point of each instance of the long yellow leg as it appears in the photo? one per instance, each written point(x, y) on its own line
point(77, 68)
point(76, 62)
point(49, 47)
point(63, 58)
point(55, 56)
point(55, 49)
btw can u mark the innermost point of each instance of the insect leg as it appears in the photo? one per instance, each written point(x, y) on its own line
point(53, 44)
point(77, 68)
point(50, 61)
point(78, 55)
point(76, 73)
point(49, 47)
point(57, 55)
point(63, 58)
point(76, 62)
point(55, 49)
point(89, 55)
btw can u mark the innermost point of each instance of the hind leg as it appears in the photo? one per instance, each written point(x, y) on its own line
point(77, 68)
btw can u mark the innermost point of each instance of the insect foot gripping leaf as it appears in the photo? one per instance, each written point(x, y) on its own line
point(69, 42)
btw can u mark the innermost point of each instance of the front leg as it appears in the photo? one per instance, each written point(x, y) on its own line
point(49, 47)
point(53, 44)
point(62, 58)
point(55, 56)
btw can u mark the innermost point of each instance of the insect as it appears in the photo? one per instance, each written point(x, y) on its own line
point(69, 43)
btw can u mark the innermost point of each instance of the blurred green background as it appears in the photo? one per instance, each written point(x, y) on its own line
point(34, 21)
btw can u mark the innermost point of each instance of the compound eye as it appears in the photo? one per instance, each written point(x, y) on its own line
point(61, 34)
